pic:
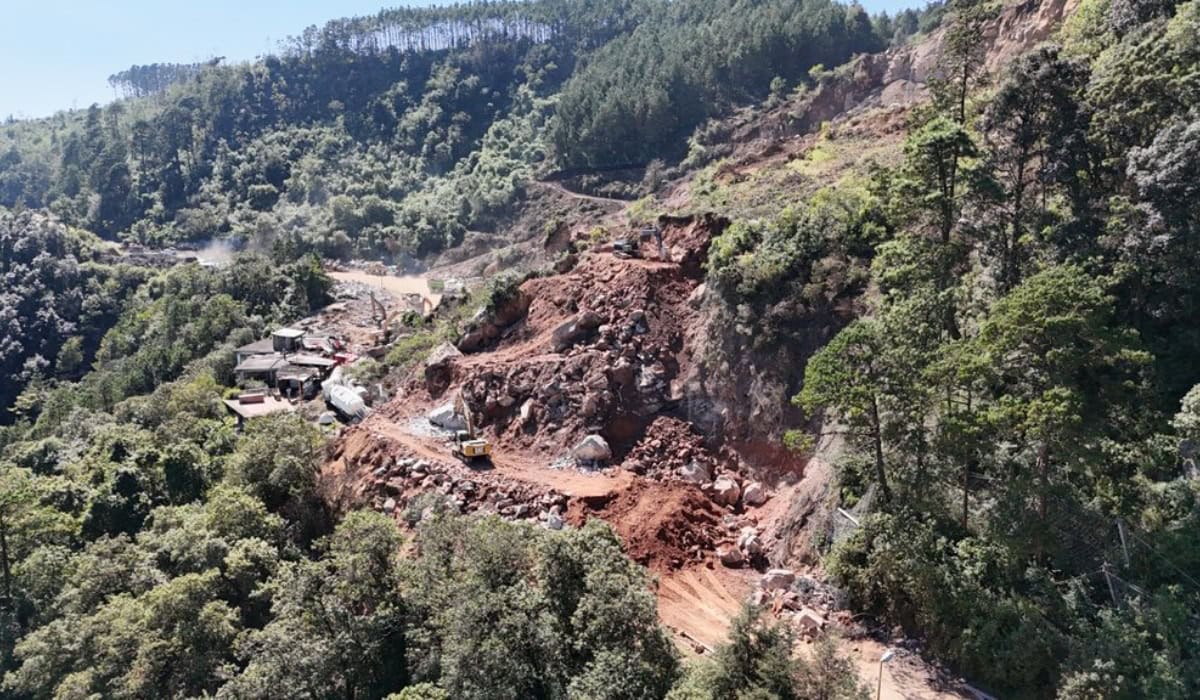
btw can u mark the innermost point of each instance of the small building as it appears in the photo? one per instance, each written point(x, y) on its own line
point(266, 346)
point(287, 340)
point(323, 365)
point(255, 404)
point(295, 382)
point(261, 367)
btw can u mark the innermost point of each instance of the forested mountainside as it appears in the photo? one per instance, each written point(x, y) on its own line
point(396, 133)
point(948, 267)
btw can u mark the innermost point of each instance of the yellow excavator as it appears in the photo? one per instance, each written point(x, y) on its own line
point(467, 446)
point(389, 321)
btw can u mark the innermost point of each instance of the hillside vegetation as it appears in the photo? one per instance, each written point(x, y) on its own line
point(394, 134)
point(1019, 398)
point(1003, 320)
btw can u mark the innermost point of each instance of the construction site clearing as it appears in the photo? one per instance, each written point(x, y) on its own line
point(585, 386)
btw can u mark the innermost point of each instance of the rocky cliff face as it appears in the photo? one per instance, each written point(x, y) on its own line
point(898, 78)
point(742, 394)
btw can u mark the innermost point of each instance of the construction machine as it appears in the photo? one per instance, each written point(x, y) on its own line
point(388, 322)
point(628, 247)
point(467, 446)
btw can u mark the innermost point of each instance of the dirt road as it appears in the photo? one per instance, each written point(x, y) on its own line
point(513, 466)
point(560, 188)
point(406, 284)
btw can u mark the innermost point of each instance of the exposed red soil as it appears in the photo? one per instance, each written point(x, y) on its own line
point(620, 376)
point(697, 603)
point(617, 375)
point(661, 524)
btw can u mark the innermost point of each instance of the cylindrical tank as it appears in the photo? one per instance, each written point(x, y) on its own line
point(335, 379)
point(346, 401)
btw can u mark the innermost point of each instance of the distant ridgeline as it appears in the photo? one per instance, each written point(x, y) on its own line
point(396, 133)
point(402, 29)
point(431, 28)
point(154, 79)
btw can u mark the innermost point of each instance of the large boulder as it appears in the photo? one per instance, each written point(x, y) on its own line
point(592, 448)
point(750, 542)
point(726, 491)
point(439, 368)
point(810, 622)
point(695, 472)
point(730, 556)
point(447, 418)
point(755, 494)
point(487, 323)
point(575, 329)
point(777, 580)
point(442, 354)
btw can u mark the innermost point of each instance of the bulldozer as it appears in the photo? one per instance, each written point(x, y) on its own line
point(467, 446)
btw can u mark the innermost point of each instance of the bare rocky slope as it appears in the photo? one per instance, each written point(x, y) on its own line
point(631, 350)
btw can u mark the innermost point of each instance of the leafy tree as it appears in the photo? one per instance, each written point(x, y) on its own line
point(539, 615)
point(1139, 83)
point(760, 661)
point(25, 523)
point(278, 461)
point(963, 54)
point(869, 388)
point(338, 627)
point(758, 658)
point(1058, 367)
point(1035, 131)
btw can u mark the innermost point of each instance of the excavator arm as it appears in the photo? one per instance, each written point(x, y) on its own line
point(460, 407)
point(466, 445)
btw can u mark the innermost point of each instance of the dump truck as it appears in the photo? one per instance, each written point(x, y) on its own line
point(467, 446)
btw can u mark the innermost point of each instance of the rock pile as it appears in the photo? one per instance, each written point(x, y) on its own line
point(393, 484)
point(603, 378)
point(741, 542)
point(672, 450)
point(804, 601)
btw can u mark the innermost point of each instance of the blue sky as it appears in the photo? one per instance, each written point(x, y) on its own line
point(58, 54)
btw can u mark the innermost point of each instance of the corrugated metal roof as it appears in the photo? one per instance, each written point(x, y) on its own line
point(261, 363)
point(260, 347)
point(306, 360)
point(293, 373)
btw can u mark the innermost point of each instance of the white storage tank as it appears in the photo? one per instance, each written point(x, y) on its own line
point(346, 401)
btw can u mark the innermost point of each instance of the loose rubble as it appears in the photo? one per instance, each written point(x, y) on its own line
point(581, 371)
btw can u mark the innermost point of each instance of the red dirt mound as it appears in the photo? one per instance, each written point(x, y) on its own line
point(663, 526)
point(600, 348)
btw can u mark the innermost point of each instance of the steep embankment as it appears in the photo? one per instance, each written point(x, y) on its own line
point(604, 349)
